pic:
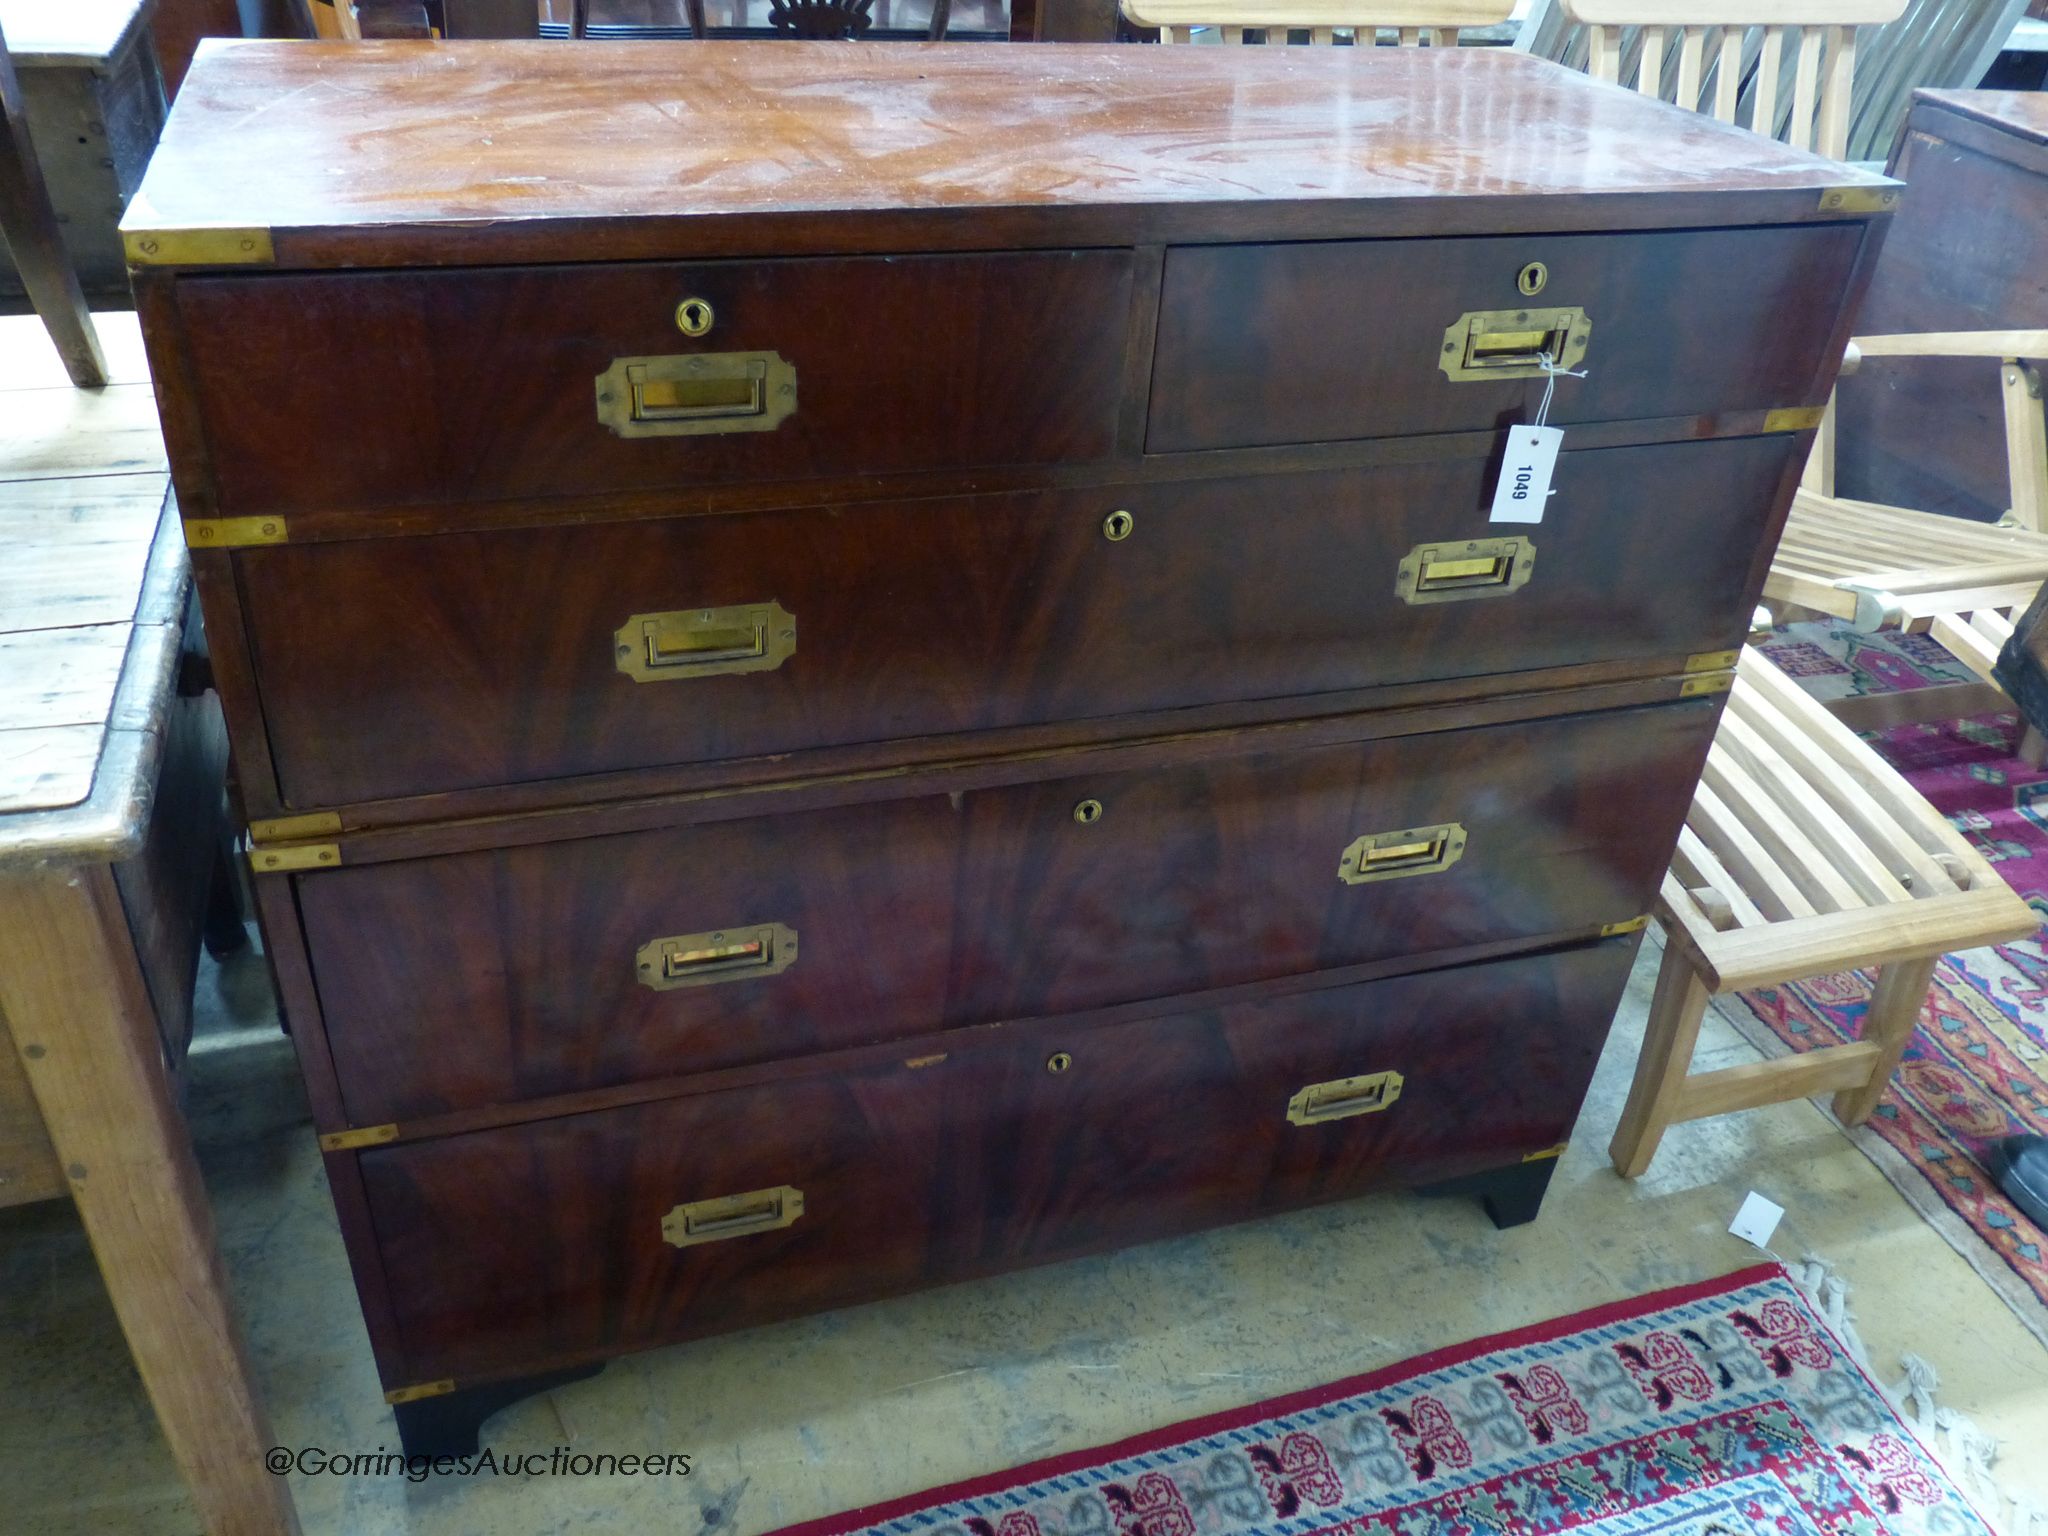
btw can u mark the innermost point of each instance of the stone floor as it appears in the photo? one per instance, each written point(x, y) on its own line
point(803, 1419)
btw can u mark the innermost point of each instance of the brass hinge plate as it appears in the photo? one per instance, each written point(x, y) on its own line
point(1548, 1152)
point(1859, 200)
point(399, 1395)
point(1705, 683)
point(362, 1136)
point(1711, 661)
point(1633, 925)
point(1795, 418)
point(294, 857)
point(234, 532)
point(1708, 672)
point(287, 829)
point(198, 247)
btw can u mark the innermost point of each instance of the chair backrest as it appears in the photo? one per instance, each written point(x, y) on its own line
point(1749, 38)
point(1417, 23)
point(1901, 47)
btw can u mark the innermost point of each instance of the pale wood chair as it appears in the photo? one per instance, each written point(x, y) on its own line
point(1804, 854)
point(1415, 23)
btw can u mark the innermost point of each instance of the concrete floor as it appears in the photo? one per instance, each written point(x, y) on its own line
point(806, 1418)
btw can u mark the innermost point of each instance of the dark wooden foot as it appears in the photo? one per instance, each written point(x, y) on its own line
point(1512, 1196)
point(448, 1425)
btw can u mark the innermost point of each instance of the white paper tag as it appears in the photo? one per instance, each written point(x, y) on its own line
point(1525, 474)
point(1756, 1221)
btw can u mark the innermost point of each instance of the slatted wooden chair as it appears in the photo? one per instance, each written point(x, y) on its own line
point(1804, 854)
point(1415, 23)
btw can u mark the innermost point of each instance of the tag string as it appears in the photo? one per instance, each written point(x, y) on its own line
point(1553, 370)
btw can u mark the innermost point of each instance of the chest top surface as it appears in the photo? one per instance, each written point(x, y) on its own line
point(2022, 113)
point(395, 153)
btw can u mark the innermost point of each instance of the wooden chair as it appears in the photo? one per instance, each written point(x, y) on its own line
point(1415, 23)
point(1804, 854)
point(1922, 43)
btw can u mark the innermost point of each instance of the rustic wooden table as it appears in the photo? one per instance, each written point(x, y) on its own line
point(110, 779)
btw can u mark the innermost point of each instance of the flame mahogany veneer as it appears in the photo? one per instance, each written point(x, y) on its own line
point(1118, 416)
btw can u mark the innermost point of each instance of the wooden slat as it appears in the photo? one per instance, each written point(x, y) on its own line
point(1907, 862)
point(1808, 809)
point(46, 433)
point(1701, 868)
point(1756, 1083)
point(1831, 138)
point(1778, 832)
point(1986, 344)
point(1364, 15)
point(1805, 89)
point(1734, 13)
point(1821, 596)
point(1837, 941)
point(1728, 837)
point(1915, 613)
point(1770, 58)
point(72, 552)
point(1410, 37)
point(2026, 445)
point(1603, 54)
point(1650, 68)
point(1728, 74)
point(1691, 55)
point(1943, 578)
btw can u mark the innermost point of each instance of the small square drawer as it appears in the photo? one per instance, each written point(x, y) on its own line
point(617, 1229)
point(1319, 342)
point(340, 391)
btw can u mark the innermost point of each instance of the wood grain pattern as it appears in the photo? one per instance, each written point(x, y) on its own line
point(462, 661)
point(540, 1244)
point(1969, 251)
point(396, 153)
point(509, 975)
point(76, 549)
point(480, 384)
point(1272, 344)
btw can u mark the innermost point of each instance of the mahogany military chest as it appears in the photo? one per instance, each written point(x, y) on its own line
point(853, 666)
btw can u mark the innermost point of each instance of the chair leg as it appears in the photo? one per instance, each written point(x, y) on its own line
point(1676, 1009)
point(1895, 1004)
point(29, 224)
point(2033, 748)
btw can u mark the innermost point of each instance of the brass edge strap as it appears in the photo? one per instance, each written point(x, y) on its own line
point(293, 857)
point(1859, 200)
point(1795, 418)
point(413, 1394)
point(198, 247)
point(235, 532)
point(1548, 1152)
point(1633, 925)
point(363, 1136)
point(287, 829)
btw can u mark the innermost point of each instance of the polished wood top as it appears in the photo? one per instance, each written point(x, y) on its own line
point(399, 152)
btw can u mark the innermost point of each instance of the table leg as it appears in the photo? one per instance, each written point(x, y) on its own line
point(79, 1012)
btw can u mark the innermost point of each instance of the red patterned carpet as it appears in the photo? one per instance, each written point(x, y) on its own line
point(1977, 1070)
point(1716, 1409)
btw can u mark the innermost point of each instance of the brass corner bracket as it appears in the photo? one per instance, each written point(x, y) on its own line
point(198, 247)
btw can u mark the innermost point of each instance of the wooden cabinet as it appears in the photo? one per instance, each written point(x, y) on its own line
point(929, 686)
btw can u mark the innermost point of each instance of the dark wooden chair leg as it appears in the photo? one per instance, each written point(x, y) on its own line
point(942, 14)
point(448, 1425)
point(29, 222)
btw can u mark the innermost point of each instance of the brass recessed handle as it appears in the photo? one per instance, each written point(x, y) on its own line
point(704, 642)
point(1395, 855)
point(1118, 525)
point(1343, 1097)
point(712, 1221)
point(1088, 812)
point(694, 317)
point(1514, 343)
point(694, 393)
point(726, 954)
point(1461, 569)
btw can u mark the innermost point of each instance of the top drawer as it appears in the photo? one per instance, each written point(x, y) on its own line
point(1304, 343)
point(343, 390)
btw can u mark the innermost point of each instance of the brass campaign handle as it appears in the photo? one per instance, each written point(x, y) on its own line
point(704, 642)
point(1484, 344)
point(726, 954)
point(696, 393)
point(714, 1220)
point(1344, 1097)
point(1395, 855)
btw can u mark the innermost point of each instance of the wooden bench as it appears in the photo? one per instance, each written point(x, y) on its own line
point(1804, 854)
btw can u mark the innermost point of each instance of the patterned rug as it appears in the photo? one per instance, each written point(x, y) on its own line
point(1977, 1069)
point(1729, 1408)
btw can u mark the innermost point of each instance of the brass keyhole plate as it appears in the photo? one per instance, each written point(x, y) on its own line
point(1058, 1061)
point(1117, 526)
point(694, 317)
point(1088, 811)
point(1532, 278)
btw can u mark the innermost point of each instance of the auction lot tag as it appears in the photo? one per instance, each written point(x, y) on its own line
point(1525, 474)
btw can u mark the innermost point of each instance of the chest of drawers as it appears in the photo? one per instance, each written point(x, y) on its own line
point(854, 666)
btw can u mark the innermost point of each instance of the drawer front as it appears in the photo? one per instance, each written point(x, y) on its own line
point(337, 391)
point(545, 1241)
point(407, 666)
point(1267, 344)
point(488, 978)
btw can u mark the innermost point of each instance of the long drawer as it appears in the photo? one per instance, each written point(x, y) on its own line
point(416, 665)
point(511, 974)
point(1316, 342)
point(616, 1229)
point(417, 387)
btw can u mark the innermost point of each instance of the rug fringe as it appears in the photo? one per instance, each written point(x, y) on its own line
point(1965, 1452)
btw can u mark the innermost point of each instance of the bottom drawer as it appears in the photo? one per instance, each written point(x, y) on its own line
point(511, 1249)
